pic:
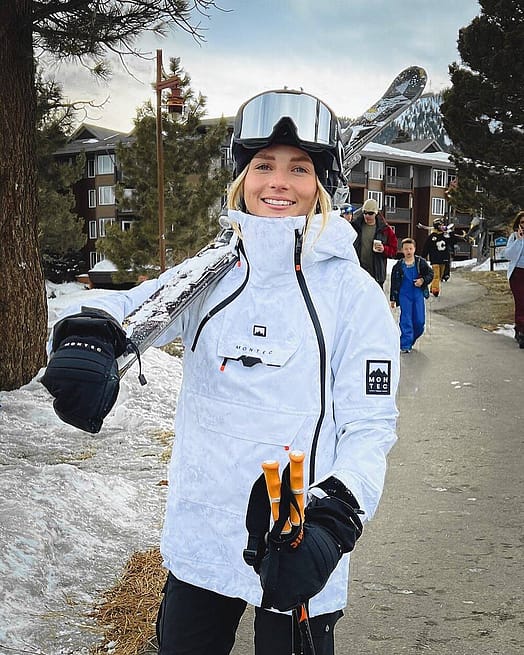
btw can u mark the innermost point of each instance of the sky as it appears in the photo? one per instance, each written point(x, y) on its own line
point(75, 506)
point(344, 51)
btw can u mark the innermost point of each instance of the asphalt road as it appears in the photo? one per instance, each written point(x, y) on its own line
point(440, 568)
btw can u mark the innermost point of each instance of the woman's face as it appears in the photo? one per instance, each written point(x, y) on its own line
point(280, 181)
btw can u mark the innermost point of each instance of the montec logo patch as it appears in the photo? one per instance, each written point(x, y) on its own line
point(378, 377)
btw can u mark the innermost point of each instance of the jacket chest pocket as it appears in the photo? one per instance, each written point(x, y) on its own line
point(258, 335)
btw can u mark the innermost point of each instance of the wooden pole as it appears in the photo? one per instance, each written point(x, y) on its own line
point(160, 164)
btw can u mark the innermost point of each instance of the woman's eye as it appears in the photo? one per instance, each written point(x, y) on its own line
point(262, 167)
point(300, 169)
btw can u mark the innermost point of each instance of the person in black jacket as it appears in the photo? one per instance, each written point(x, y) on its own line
point(410, 278)
point(439, 248)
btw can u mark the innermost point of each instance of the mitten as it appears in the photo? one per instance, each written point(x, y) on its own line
point(82, 373)
point(293, 570)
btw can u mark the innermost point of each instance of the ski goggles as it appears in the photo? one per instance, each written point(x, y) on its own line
point(315, 123)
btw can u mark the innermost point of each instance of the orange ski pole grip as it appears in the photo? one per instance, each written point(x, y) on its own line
point(296, 477)
point(272, 476)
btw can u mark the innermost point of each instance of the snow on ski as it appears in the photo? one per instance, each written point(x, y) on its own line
point(191, 278)
point(401, 93)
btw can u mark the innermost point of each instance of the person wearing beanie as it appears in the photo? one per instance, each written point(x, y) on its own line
point(294, 350)
point(376, 240)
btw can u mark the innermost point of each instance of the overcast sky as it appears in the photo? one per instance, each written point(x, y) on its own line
point(345, 51)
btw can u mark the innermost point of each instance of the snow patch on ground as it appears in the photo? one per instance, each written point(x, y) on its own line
point(75, 506)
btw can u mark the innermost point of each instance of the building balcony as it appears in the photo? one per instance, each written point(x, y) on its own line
point(357, 178)
point(396, 183)
point(398, 214)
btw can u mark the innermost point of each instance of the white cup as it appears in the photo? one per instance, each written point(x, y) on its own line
point(376, 244)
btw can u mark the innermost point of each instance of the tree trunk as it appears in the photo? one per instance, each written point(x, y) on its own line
point(23, 310)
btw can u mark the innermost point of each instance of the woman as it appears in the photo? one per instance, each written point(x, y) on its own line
point(514, 251)
point(295, 349)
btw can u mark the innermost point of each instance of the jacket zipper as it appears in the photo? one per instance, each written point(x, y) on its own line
point(223, 303)
point(321, 348)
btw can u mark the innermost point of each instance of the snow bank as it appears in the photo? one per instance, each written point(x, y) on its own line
point(76, 506)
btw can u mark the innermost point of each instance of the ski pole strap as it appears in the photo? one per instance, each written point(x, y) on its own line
point(257, 523)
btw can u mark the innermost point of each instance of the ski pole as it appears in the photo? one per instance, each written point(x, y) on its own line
point(300, 613)
point(272, 476)
point(296, 477)
point(301, 619)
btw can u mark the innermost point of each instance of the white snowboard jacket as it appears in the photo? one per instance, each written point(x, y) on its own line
point(295, 349)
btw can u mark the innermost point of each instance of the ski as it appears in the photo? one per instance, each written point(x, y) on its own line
point(401, 93)
point(191, 278)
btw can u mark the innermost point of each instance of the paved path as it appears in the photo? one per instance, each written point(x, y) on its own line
point(440, 568)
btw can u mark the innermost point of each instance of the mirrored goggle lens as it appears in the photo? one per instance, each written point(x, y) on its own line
point(313, 120)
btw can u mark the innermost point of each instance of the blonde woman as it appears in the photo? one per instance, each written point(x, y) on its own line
point(294, 349)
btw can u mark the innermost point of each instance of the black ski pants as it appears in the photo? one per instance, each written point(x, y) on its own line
point(195, 621)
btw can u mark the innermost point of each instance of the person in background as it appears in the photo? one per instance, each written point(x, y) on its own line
point(438, 247)
point(295, 348)
point(514, 251)
point(346, 211)
point(410, 278)
point(375, 242)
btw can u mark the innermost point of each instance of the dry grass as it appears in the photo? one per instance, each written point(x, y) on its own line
point(493, 309)
point(128, 613)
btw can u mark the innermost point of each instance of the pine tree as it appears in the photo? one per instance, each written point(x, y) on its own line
point(193, 185)
point(65, 29)
point(484, 111)
point(61, 231)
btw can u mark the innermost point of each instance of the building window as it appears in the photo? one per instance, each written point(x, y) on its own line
point(376, 195)
point(102, 222)
point(126, 225)
point(91, 198)
point(440, 178)
point(438, 206)
point(391, 171)
point(127, 200)
point(106, 195)
point(92, 230)
point(376, 170)
point(94, 258)
point(105, 165)
point(90, 168)
point(390, 203)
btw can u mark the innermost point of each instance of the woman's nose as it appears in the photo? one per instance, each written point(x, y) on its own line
point(279, 179)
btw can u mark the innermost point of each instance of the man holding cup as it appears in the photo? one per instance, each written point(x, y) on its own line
point(376, 241)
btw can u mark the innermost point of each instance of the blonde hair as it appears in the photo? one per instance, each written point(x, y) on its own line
point(235, 199)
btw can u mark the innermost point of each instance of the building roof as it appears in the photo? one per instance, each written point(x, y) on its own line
point(441, 159)
point(92, 138)
point(420, 145)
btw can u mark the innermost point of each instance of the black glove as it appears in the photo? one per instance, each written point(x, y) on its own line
point(82, 373)
point(290, 575)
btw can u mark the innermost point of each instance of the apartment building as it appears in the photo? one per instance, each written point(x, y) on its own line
point(95, 192)
point(408, 180)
